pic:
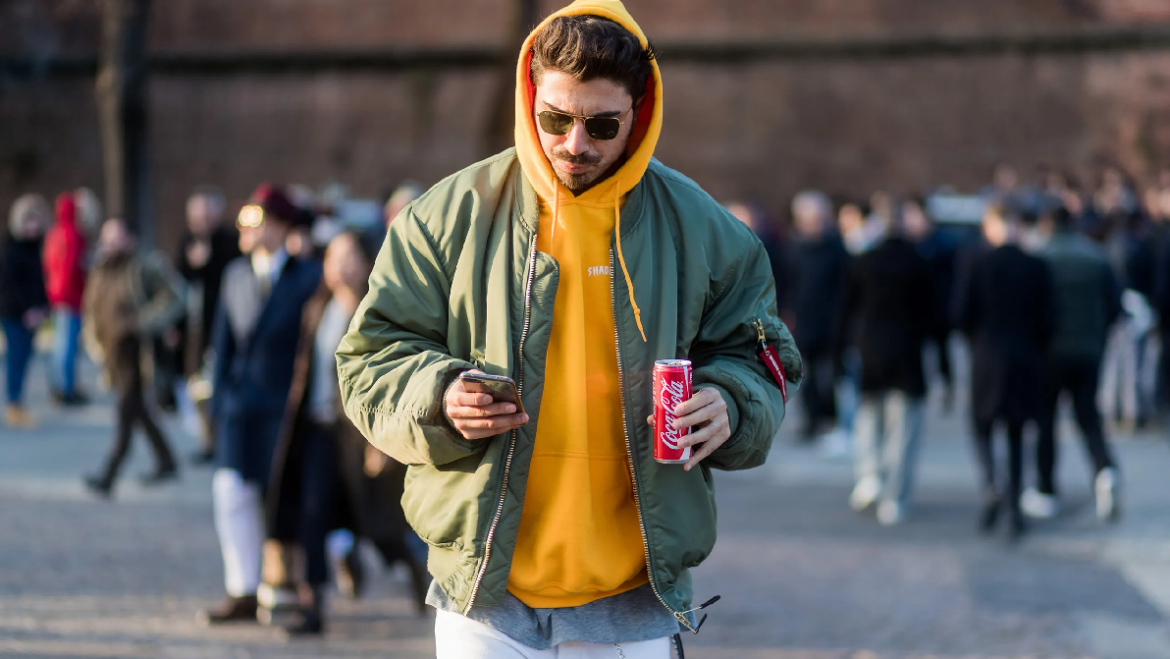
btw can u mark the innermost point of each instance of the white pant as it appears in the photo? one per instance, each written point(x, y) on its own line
point(239, 521)
point(457, 637)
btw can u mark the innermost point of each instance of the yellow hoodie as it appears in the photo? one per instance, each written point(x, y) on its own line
point(579, 538)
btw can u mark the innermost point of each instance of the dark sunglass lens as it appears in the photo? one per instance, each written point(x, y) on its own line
point(602, 128)
point(555, 123)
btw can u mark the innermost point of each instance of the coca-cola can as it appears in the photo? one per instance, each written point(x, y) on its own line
point(672, 385)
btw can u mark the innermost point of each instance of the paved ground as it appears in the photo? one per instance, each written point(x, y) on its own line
point(800, 575)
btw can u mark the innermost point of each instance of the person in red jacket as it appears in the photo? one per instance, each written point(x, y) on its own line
point(64, 261)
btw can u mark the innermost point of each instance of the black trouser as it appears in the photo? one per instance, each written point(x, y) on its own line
point(126, 373)
point(1079, 377)
point(817, 389)
point(984, 436)
point(319, 483)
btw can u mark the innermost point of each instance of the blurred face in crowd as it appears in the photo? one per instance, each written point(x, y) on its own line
point(1005, 177)
point(743, 213)
point(580, 161)
point(345, 264)
point(259, 231)
point(33, 223)
point(116, 238)
point(203, 213)
point(996, 228)
point(810, 215)
point(849, 218)
point(915, 222)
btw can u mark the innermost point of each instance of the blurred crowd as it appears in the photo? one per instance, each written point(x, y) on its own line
point(235, 334)
point(1057, 287)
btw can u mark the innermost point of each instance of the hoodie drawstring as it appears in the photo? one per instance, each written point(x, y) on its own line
point(617, 214)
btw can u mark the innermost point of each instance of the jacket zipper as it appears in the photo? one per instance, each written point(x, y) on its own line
point(487, 549)
point(629, 449)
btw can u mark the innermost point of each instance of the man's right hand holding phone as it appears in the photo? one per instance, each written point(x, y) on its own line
point(477, 415)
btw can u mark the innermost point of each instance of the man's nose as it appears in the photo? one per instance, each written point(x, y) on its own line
point(577, 141)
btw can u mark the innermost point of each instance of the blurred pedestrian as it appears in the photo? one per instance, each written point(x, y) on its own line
point(755, 219)
point(859, 231)
point(65, 275)
point(205, 250)
point(1126, 393)
point(940, 252)
point(257, 329)
point(818, 273)
point(406, 192)
point(889, 295)
point(23, 303)
point(1088, 300)
point(1006, 310)
point(307, 495)
point(132, 298)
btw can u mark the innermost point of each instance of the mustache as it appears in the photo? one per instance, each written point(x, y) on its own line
point(587, 158)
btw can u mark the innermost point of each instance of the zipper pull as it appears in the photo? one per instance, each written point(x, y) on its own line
point(759, 324)
point(682, 616)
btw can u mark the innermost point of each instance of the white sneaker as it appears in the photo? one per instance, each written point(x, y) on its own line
point(1038, 505)
point(865, 494)
point(890, 513)
point(1105, 487)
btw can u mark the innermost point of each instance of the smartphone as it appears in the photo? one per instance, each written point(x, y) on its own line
point(502, 389)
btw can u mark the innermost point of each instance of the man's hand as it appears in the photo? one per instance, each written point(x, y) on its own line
point(476, 416)
point(706, 414)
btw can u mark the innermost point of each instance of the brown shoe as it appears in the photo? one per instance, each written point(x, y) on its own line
point(232, 609)
point(16, 416)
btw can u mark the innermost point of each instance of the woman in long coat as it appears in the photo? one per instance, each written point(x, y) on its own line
point(325, 475)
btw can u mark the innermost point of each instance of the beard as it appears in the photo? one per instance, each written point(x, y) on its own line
point(578, 183)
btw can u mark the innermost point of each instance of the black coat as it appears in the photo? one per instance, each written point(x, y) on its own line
point(22, 278)
point(1007, 310)
point(889, 300)
point(371, 505)
point(255, 350)
point(818, 273)
point(196, 329)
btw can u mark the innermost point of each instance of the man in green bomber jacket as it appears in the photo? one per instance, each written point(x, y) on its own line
point(555, 530)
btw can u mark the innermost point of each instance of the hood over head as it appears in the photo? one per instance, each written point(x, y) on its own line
point(647, 125)
point(66, 209)
point(639, 150)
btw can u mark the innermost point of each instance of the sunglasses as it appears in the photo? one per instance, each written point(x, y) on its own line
point(560, 123)
point(251, 216)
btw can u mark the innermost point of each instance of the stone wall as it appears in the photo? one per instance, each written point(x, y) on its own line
point(759, 130)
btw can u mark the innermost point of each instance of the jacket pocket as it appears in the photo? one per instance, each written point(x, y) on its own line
point(444, 504)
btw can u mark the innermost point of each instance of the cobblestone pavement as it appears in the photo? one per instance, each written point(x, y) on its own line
point(801, 576)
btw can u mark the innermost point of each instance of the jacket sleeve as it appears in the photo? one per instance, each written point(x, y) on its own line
point(166, 296)
point(394, 365)
point(724, 354)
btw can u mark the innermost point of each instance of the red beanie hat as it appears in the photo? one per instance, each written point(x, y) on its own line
point(66, 208)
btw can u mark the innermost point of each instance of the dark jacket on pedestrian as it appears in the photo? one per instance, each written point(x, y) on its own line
point(255, 342)
point(132, 296)
point(284, 500)
point(22, 278)
point(1007, 310)
point(1088, 296)
point(205, 282)
point(888, 299)
point(818, 273)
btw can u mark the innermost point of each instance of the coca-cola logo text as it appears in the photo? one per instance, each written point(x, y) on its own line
point(670, 397)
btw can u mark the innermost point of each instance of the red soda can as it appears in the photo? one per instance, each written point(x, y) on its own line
point(672, 385)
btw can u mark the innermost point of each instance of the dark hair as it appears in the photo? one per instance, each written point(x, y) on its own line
point(591, 47)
